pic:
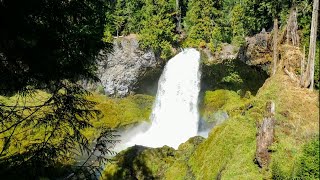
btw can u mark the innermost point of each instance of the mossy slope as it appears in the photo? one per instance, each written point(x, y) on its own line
point(232, 75)
point(139, 162)
point(223, 101)
point(115, 113)
point(229, 151)
point(119, 112)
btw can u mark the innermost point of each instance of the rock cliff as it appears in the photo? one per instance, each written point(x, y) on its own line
point(122, 71)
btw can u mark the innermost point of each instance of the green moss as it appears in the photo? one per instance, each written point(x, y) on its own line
point(121, 112)
point(229, 150)
point(115, 113)
point(297, 115)
point(180, 169)
point(232, 75)
point(140, 162)
point(222, 101)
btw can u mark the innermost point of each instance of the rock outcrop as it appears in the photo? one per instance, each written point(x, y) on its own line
point(121, 70)
point(257, 50)
point(227, 52)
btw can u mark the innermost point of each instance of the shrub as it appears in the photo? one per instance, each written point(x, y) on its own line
point(309, 161)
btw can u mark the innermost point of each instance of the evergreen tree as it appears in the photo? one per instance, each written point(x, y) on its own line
point(158, 27)
point(199, 21)
point(47, 46)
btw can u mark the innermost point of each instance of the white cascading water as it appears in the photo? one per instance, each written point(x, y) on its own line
point(175, 113)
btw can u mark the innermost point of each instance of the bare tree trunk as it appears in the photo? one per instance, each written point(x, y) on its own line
point(302, 66)
point(313, 40)
point(292, 28)
point(309, 79)
point(178, 9)
point(275, 45)
point(265, 136)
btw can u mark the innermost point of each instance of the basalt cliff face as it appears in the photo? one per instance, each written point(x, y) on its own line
point(126, 69)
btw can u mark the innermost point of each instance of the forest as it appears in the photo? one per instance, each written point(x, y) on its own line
point(53, 125)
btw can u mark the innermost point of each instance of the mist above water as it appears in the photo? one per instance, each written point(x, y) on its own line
point(175, 113)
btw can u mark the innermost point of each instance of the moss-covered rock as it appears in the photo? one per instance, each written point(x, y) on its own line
point(119, 112)
point(219, 104)
point(139, 162)
point(180, 169)
point(228, 152)
point(232, 75)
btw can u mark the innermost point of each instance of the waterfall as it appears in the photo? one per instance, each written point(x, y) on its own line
point(175, 112)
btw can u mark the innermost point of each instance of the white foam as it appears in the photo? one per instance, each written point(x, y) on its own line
point(175, 113)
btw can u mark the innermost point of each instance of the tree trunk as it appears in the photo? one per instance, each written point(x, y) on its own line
point(275, 45)
point(178, 9)
point(292, 28)
point(302, 66)
point(265, 136)
point(313, 40)
point(309, 79)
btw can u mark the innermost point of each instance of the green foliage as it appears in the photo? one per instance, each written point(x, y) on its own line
point(231, 145)
point(119, 15)
point(154, 21)
point(140, 162)
point(294, 113)
point(48, 46)
point(123, 18)
point(158, 27)
point(255, 18)
point(305, 165)
point(309, 161)
point(232, 75)
point(33, 137)
point(199, 21)
point(48, 42)
point(237, 24)
point(42, 133)
point(216, 40)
